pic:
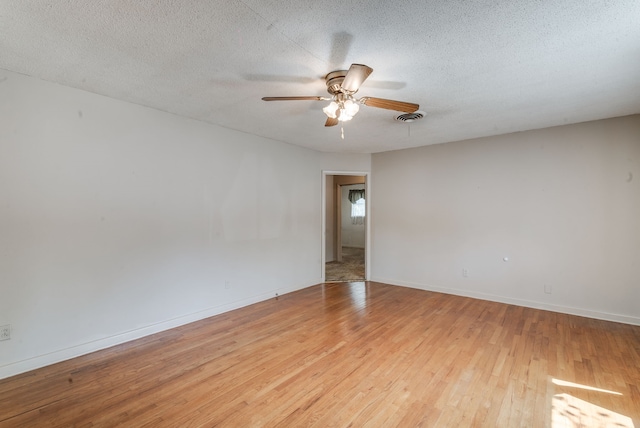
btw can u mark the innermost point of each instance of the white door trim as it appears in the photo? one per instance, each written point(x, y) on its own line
point(367, 250)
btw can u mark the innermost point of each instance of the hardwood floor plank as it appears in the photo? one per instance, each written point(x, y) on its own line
point(359, 354)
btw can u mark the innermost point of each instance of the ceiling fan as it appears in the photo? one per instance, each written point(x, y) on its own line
point(342, 85)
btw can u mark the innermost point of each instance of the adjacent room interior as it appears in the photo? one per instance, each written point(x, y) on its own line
point(345, 228)
point(175, 250)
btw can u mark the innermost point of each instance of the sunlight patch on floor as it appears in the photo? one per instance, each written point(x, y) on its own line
point(568, 411)
point(577, 385)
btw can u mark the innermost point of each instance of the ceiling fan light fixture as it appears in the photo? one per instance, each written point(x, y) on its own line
point(344, 117)
point(343, 110)
point(351, 107)
point(331, 110)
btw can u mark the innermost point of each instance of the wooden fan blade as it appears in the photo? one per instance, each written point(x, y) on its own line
point(331, 121)
point(295, 98)
point(356, 75)
point(390, 104)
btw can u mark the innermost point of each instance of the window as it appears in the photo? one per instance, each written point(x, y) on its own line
point(357, 208)
point(356, 197)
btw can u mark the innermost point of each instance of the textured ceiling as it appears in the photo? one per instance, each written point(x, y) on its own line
point(477, 68)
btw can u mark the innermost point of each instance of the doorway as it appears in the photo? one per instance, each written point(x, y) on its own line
point(345, 227)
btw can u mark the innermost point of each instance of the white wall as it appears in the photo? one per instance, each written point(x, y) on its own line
point(353, 235)
point(117, 221)
point(563, 204)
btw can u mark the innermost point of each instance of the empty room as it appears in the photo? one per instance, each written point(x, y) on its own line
point(184, 184)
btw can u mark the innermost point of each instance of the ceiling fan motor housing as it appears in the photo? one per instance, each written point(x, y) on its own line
point(334, 81)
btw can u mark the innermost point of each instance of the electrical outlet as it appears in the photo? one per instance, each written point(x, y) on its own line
point(5, 332)
point(465, 273)
point(547, 288)
point(227, 284)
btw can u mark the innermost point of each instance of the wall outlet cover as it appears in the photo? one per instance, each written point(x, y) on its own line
point(5, 332)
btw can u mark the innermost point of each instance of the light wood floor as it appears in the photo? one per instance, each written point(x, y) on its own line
point(360, 354)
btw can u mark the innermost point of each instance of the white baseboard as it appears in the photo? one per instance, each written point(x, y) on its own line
point(60, 355)
point(518, 302)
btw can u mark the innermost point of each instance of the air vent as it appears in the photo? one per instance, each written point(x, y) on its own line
point(411, 117)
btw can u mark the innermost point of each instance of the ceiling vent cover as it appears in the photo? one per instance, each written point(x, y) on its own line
point(411, 117)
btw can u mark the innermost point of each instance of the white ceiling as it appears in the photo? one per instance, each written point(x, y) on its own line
point(477, 68)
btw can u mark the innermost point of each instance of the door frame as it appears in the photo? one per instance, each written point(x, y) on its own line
point(367, 237)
